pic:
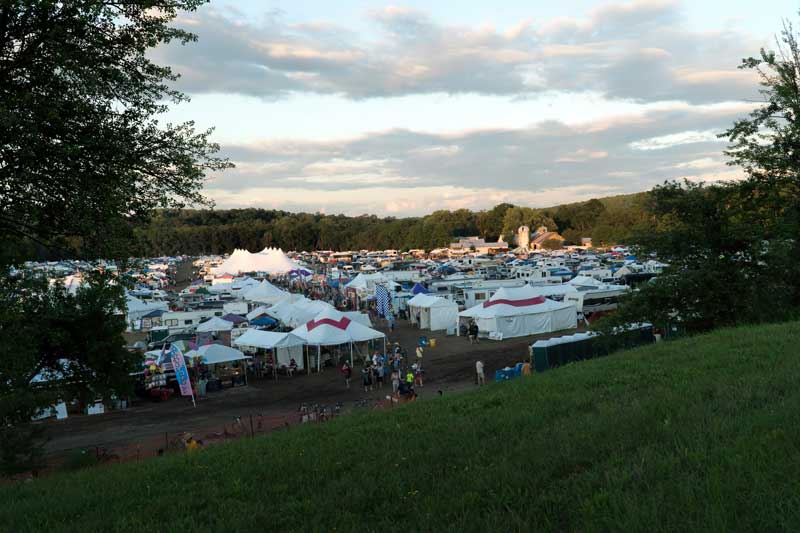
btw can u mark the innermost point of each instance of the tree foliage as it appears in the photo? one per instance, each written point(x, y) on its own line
point(733, 247)
point(84, 159)
point(82, 152)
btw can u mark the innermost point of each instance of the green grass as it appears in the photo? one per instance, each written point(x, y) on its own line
point(701, 434)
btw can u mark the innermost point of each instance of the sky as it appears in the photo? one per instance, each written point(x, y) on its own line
point(400, 109)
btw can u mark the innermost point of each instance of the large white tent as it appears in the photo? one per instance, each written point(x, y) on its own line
point(268, 260)
point(434, 313)
point(285, 345)
point(365, 283)
point(215, 324)
point(332, 328)
point(516, 312)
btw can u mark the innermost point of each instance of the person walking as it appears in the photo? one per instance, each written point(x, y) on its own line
point(366, 377)
point(419, 354)
point(347, 372)
point(395, 381)
point(473, 332)
point(479, 371)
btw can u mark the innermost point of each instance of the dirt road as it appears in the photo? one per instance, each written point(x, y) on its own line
point(449, 367)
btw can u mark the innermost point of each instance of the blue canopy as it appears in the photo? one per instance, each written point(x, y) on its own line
point(419, 289)
point(263, 321)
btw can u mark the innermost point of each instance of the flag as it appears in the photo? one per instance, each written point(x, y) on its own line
point(181, 373)
point(383, 301)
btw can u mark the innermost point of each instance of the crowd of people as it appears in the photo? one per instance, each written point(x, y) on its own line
point(393, 367)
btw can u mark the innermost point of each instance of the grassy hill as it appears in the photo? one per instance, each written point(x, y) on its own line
point(701, 434)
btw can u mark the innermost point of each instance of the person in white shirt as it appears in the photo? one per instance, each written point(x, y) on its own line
point(479, 371)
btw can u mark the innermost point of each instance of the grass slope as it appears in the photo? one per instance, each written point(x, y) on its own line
point(696, 435)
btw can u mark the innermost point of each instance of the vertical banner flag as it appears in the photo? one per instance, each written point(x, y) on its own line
point(383, 302)
point(181, 373)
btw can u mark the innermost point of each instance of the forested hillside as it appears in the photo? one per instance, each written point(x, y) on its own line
point(607, 220)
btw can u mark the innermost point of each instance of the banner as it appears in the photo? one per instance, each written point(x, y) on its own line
point(181, 373)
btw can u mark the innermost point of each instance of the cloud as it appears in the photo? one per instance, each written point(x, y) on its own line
point(478, 168)
point(638, 50)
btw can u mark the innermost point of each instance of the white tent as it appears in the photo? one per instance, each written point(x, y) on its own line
point(358, 316)
point(285, 345)
point(295, 313)
point(215, 324)
point(584, 281)
point(268, 260)
point(212, 354)
point(332, 328)
point(435, 313)
point(264, 292)
point(516, 312)
point(365, 283)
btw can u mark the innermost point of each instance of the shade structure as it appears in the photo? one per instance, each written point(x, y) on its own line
point(331, 328)
point(215, 324)
point(516, 312)
point(264, 292)
point(365, 283)
point(585, 281)
point(212, 354)
point(285, 345)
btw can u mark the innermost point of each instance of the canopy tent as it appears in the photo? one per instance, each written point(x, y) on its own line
point(332, 328)
point(419, 289)
point(552, 289)
point(261, 310)
point(298, 312)
point(365, 283)
point(268, 260)
point(516, 312)
point(358, 316)
point(584, 281)
point(212, 354)
point(214, 324)
point(285, 345)
point(264, 292)
point(434, 313)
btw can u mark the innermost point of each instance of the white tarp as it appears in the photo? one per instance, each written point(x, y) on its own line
point(136, 308)
point(517, 312)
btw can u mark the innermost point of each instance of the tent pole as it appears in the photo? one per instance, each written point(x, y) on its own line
point(308, 362)
point(384, 345)
point(275, 363)
point(319, 356)
point(351, 354)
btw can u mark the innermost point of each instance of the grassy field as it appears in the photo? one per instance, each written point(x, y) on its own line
point(701, 434)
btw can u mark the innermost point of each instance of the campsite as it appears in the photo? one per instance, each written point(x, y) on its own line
point(443, 266)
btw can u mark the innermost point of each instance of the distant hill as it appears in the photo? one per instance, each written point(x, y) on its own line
point(698, 434)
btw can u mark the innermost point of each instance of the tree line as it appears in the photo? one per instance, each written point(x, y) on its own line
point(196, 232)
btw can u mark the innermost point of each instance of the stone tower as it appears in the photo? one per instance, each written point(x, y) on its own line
point(523, 236)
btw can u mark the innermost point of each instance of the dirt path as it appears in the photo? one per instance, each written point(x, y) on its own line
point(449, 367)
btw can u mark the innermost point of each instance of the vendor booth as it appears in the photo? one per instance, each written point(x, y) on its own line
point(284, 347)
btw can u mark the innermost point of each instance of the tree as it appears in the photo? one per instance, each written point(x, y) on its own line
point(82, 153)
point(83, 158)
point(490, 223)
